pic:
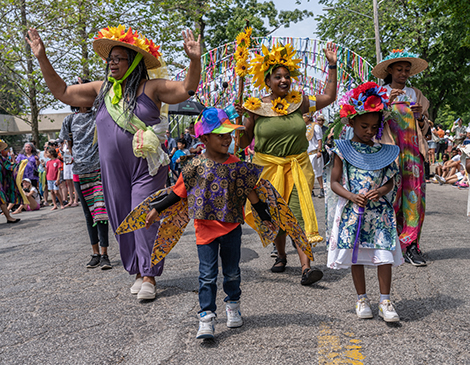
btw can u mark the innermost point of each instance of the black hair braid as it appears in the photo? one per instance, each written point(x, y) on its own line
point(132, 84)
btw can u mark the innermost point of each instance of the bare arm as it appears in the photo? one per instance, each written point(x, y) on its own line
point(329, 95)
point(249, 133)
point(173, 92)
point(77, 95)
point(376, 194)
point(337, 187)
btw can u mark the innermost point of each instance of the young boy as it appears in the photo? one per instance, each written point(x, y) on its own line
point(216, 185)
point(175, 159)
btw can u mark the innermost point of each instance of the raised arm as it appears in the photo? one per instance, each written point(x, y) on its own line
point(76, 95)
point(329, 95)
point(173, 92)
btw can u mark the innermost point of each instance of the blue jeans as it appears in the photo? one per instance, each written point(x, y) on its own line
point(228, 247)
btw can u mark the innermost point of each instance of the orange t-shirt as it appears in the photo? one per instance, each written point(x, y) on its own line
point(206, 230)
point(441, 133)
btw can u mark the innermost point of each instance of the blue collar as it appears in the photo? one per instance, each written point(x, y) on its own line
point(368, 161)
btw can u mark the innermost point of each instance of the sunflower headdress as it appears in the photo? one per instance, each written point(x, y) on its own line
point(110, 37)
point(264, 63)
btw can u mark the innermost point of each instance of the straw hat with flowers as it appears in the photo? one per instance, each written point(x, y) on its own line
point(110, 37)
point(398, 55)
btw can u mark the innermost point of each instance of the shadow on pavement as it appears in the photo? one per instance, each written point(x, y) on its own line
point(411, 310)
point(448, 253)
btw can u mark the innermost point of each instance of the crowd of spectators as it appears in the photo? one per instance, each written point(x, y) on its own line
point(47, 177)
point(445, 155)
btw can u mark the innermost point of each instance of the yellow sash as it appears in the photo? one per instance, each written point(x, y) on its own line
point(19, 180)
point(283, 173)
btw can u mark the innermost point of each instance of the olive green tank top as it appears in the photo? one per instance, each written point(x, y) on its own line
point(281, 136)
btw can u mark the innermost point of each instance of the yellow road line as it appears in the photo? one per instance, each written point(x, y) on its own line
point(332, 351)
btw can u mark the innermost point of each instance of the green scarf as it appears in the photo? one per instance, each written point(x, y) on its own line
point(117, 87)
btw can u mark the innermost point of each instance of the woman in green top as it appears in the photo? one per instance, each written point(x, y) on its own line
point(276, 123)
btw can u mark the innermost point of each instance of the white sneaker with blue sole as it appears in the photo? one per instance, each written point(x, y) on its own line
point(206, 325)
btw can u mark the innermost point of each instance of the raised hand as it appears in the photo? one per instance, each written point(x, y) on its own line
point(331, 53)
point(35, 42)
point(192, 47)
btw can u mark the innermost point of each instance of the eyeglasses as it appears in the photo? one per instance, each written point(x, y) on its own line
point(115, 60)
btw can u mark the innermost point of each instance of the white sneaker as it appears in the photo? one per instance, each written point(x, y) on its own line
point(206, 325)
point(147, 291)
point(387, 311)
point(363, 308)
point(135, 288)
point(234, 317)
point(441, 180)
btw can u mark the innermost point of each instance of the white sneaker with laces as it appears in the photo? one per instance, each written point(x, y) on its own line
point(234, 317)
point(363, 308)
point(147, 291)
point(135, 288)
point(387, 311)
point(206, 325)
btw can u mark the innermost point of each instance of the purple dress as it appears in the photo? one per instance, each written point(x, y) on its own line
point(30, 168)
point(126, 183)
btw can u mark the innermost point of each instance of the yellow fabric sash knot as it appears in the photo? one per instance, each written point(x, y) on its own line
point(283, 173)
point(117, 87)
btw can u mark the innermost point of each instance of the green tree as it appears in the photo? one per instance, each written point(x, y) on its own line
point(67, 28)
point(414, 25)
point(219, 21)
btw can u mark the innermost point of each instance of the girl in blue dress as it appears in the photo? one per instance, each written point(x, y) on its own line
point(363, 230)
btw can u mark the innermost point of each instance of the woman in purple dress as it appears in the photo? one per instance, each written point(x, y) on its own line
point(30, 153)
point(127, 106)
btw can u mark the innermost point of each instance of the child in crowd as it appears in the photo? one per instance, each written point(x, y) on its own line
point(34, 200)
point(364, 230)
point(216, 185)
point(53, 168)
point(175, 159)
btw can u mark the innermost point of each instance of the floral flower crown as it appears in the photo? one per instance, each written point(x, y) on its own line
point(399, 53)
point(366, 98)
point(135, 39)
point(263, 64)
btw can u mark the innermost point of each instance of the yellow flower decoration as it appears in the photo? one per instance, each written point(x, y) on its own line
point(280, 106)
point(248, 31)
point(294, 97)
point(243, 39)
point(242, 68)
point(241, 54)
point(264, 63)
point(252, 103)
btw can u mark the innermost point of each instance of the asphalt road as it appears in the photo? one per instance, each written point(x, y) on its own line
point(55, 311)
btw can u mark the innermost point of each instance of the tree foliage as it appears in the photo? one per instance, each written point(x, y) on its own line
point(419, 26)
point(219, 21)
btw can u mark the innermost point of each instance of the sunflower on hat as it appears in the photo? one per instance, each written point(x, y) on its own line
point(264, 63)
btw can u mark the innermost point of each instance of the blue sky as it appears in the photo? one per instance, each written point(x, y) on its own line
point(305, 28)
